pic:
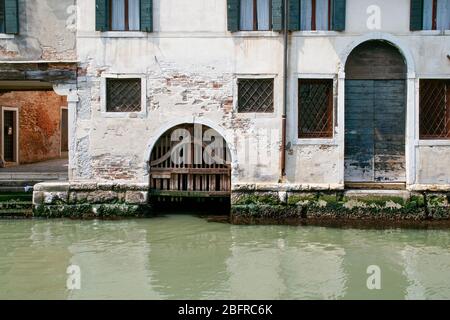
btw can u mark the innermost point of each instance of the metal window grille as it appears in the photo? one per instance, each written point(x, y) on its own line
point(315, 108)
point(123, 95)
point(434, 109)
point(255, 95)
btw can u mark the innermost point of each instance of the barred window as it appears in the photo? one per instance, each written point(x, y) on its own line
point(255, 95)
point(315, 108)
point(434, 109)
point(123, 95)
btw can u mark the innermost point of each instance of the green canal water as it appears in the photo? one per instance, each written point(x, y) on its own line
point(186, 257)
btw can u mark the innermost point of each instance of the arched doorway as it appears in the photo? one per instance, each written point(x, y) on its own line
point(190, 161)
point(375, 115)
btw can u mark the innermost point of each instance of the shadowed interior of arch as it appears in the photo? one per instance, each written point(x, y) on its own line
point(190, 161)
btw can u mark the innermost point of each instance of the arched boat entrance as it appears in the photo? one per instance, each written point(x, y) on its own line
point(190, 161)
point(375, 116)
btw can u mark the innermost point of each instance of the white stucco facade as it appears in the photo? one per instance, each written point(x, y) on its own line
point(190, 64)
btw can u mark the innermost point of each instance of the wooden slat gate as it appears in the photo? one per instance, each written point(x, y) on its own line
point(193, 176)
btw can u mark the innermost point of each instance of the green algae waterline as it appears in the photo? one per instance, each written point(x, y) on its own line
point(187, 257)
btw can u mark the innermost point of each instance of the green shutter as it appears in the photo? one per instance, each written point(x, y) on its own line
point(277, 15)
point(416, 22)
point(147, 15)
point(339, 7)
point(294, 15)
point(102, 15)
point(233, 15)
point(11, 16)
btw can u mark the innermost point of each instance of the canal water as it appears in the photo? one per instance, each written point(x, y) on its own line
point(186, 257)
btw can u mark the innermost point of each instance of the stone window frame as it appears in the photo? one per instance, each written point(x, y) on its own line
point(293, 109)
point(104, 98)
point(277, 86)
point(429, 142)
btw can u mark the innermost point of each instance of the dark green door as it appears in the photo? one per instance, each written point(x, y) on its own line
point(8, 136)
point(375, 114)
point(375, 130)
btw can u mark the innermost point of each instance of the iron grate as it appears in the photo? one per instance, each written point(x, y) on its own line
point(315, 108)
point(434, 109)
point(123, 95)
point(255, 95)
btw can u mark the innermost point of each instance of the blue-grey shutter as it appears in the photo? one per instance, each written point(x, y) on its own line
point(233, 15)
point(101, 15)
point(416, 21)
point(294, 15)
point(147, 15)
point(277, 15)
point(339, 7)
point(11, 16)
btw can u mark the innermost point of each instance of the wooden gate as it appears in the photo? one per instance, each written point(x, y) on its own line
point(375, 115)
point(190, 161)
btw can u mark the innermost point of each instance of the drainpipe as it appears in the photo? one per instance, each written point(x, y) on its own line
point(285, 90)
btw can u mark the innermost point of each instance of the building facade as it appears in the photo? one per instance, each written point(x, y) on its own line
point(355, 96)
point(37, 69)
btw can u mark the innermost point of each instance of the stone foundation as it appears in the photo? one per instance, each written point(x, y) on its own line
point(90, 200)
point(250, 205)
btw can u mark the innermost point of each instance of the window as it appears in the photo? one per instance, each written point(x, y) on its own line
point(434, 109)
point(125, 15)
point(255, 15)
point(315, 14)
point(255, 95)
point(436, 15)
point(123, 95)
point(315, 108)
point(2, 16)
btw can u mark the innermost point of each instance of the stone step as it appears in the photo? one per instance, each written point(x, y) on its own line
point(32, 176)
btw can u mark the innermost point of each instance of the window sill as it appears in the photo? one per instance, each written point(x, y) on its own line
point(124, 115)
point(245, 34)
point(316, 142)
point(433, 143)
point(6, 36)
point(123, 34)
point(432, 32)
point(316, 33)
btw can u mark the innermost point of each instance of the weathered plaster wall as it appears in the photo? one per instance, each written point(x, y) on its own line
point(39, 123)
point(191, 64)
point(47, 32)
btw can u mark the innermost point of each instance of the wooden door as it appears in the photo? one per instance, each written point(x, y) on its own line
point(375, 131)
point(375, 114)
point(9, 132)
point(64, 130)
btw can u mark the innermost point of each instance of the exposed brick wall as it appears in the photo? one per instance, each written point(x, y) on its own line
point(39, 122)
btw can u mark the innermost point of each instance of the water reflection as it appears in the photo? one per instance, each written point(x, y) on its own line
point(185, 257)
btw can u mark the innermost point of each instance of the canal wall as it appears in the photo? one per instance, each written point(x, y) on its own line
point(250, 203)
point(90, 200)
point(253, 204)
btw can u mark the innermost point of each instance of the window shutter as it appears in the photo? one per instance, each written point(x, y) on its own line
point(11, 17)
point(277, 15)
point(416, 22)
point(339, 7)
point(294, 15)
point(101, 15)
point(233, 15)
point(147, 15)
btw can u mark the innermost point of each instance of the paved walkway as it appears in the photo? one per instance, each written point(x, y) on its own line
point(50, 166)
